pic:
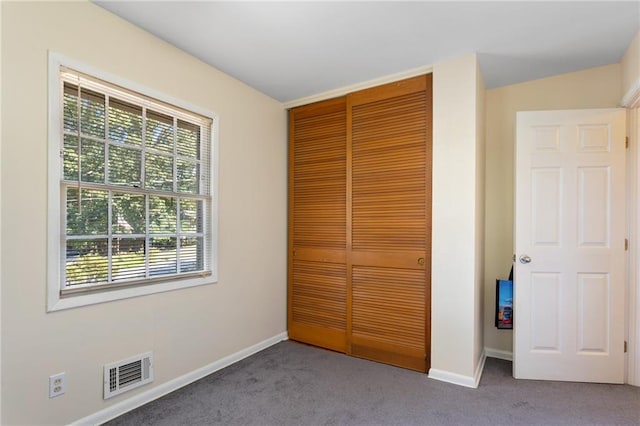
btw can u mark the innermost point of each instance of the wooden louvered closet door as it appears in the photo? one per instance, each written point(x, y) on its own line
point(390, 139)
point(317, 312)
point(360, 223)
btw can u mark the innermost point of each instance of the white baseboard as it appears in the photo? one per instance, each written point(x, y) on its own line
point(140, 399)
point(497, 353)
point(477, 375)
point(459, 379)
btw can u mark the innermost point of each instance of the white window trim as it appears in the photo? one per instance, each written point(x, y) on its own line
point(54, 230)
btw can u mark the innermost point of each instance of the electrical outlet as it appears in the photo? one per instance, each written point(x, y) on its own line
point(57, 385)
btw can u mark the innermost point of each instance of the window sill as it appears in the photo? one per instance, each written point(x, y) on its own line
point(58, 303)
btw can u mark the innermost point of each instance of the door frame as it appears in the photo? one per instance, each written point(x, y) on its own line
point(633, 272)
point(631, 101)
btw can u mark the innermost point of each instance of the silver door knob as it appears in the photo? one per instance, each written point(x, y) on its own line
point(524, 259)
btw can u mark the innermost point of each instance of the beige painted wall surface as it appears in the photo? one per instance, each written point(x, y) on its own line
point(455, 170)
point(631, 66)
point(593, 88)
point(480, 217)
point(185, 329)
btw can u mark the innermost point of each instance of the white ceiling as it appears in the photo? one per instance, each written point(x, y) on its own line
point(291, 50)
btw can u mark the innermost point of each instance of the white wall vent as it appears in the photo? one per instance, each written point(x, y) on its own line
point(127, 374)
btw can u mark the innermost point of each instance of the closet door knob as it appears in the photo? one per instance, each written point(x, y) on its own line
point(421, 261)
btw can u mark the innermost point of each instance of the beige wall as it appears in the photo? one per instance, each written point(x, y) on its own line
point(185, 329)
point(456, 169)
point(480, 217)
point(630, 67)
point(593, 88)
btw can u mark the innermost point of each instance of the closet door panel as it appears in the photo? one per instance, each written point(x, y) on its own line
point(390, 193)
point(388, 177)
point(317, 224)
point(318, 303)
point(388, 315)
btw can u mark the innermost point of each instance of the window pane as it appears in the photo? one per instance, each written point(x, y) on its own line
point(191, 254)
point(127, 161)
point(159, 131)
point(188, 143)
point(124, 165)
point(162, 256)
point(125, 122)
point(86, 262)
point(92, 113)
point(190, 216)
point(87, 215)
point(92, 161)
point(70, 113)
point(188, 176)
point(127, 214)
point(162, 215)
point(70, 157)
point(159, 172)
point(128, 258)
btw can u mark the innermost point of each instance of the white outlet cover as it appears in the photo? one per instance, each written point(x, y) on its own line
point(57, 385)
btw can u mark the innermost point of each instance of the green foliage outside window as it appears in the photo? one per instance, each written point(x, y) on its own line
point(103, 144)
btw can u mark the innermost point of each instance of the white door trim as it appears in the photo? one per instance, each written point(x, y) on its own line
point(631, 101)
point(633, 276)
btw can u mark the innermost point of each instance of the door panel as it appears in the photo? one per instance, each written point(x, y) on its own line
point(594, 201)
point(593, 313)
point(318, 304)
point(319, 294)
point(390, 193)
point(570, 220)
point(388, 315)
point(545, 311)
point(317, 224)
point(546, 208)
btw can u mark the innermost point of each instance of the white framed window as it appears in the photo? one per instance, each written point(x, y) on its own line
point(132, 184)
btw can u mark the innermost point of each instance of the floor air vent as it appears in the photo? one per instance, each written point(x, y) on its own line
point(127, 374)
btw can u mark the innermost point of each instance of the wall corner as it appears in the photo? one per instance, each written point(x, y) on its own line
point(458, 223)
point(630, 74)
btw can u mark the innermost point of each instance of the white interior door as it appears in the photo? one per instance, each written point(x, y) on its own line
point(570, 246)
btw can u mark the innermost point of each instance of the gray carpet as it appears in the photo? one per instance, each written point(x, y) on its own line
point(295, 384)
